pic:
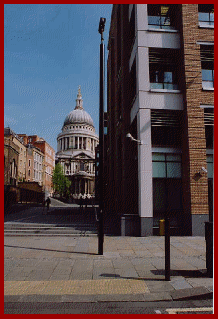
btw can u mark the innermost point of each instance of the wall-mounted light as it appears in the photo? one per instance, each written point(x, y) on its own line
point(133, 139)
point(200, 173)
point(203, 170)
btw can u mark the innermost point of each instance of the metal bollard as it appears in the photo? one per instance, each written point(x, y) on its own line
point(209, 248)
point(162, 227)
point(167, 249)
point(100, 233)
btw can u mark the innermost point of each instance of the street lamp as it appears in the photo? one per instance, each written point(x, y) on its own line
point(101, 139)
point(133, 139)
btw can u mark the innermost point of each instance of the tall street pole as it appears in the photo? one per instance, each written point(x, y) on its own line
point(101, 140)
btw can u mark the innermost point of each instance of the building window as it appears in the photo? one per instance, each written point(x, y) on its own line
point(166, 165)
point(29, 162)
point(207, 79)
point(161, 16)
point(209, 127)
point(207, 65)
point(166, 128)
point(167, 187)
point(163, 79)
point(206, 15)
point(163, 69)
point(210, 165)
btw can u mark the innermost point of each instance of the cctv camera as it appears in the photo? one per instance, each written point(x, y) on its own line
point(203, 169)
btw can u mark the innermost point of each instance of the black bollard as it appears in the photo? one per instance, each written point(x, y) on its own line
point(209, 248)
point(100, 233)
point(167, 249)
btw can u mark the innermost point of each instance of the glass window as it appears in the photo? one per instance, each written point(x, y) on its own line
point(207, 75)
point(163, 70)
point(210, 170)
point(210, 166)
point(207, 79)
point(207, 66)
point(160, 16)
point(206, 14)
point(154, 21)
point(168, 77)
point(166, 165)
point(158, 157)
point(159, 169)
point(174, 170)
point(173, 158)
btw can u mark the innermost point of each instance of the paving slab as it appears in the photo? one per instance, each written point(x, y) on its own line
point(190, 293)
point(131, 269)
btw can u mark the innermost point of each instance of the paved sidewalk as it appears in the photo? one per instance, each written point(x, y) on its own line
point(131, 269)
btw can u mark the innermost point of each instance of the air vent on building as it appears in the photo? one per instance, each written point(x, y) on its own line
point(163, 56)
point(208, 117)
point(165, 118)
point(207, 53)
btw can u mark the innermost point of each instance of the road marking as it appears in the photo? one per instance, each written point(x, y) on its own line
point(174, 311)
point(158, 312)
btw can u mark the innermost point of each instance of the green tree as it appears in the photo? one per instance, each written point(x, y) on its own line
point(61, 183)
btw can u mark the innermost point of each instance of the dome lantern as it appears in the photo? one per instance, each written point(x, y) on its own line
point(79, 100)
point(78, 115)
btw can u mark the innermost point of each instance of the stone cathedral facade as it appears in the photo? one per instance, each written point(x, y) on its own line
point(76, 150)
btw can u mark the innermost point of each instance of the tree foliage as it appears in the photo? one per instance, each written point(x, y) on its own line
point(61, 183)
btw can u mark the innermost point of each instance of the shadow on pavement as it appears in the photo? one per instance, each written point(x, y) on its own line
point(55, 250)
point(183, 273)
point(135, 278)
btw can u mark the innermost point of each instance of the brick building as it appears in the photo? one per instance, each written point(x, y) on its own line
point(42, 161)
point(21, 149)
point(161, 91)
point(11, 158)
point(35, 165)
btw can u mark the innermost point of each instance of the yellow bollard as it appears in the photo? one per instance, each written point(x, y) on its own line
point(162, 227)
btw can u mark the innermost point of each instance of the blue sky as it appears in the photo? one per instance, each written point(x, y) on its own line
point(49, 50)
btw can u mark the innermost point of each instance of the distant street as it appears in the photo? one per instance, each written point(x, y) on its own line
point(61, 219)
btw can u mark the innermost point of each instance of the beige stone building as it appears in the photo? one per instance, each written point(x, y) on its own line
point(76, 150)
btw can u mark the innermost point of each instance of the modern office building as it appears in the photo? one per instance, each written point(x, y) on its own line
point(160, 111)
point(76, 150)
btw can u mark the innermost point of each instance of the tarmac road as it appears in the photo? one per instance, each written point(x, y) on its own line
point(173, 307)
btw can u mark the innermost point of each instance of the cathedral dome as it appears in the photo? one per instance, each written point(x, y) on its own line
point(78, 115)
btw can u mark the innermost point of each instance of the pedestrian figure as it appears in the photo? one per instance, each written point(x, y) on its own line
point(43, 205)
point(48, 202)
